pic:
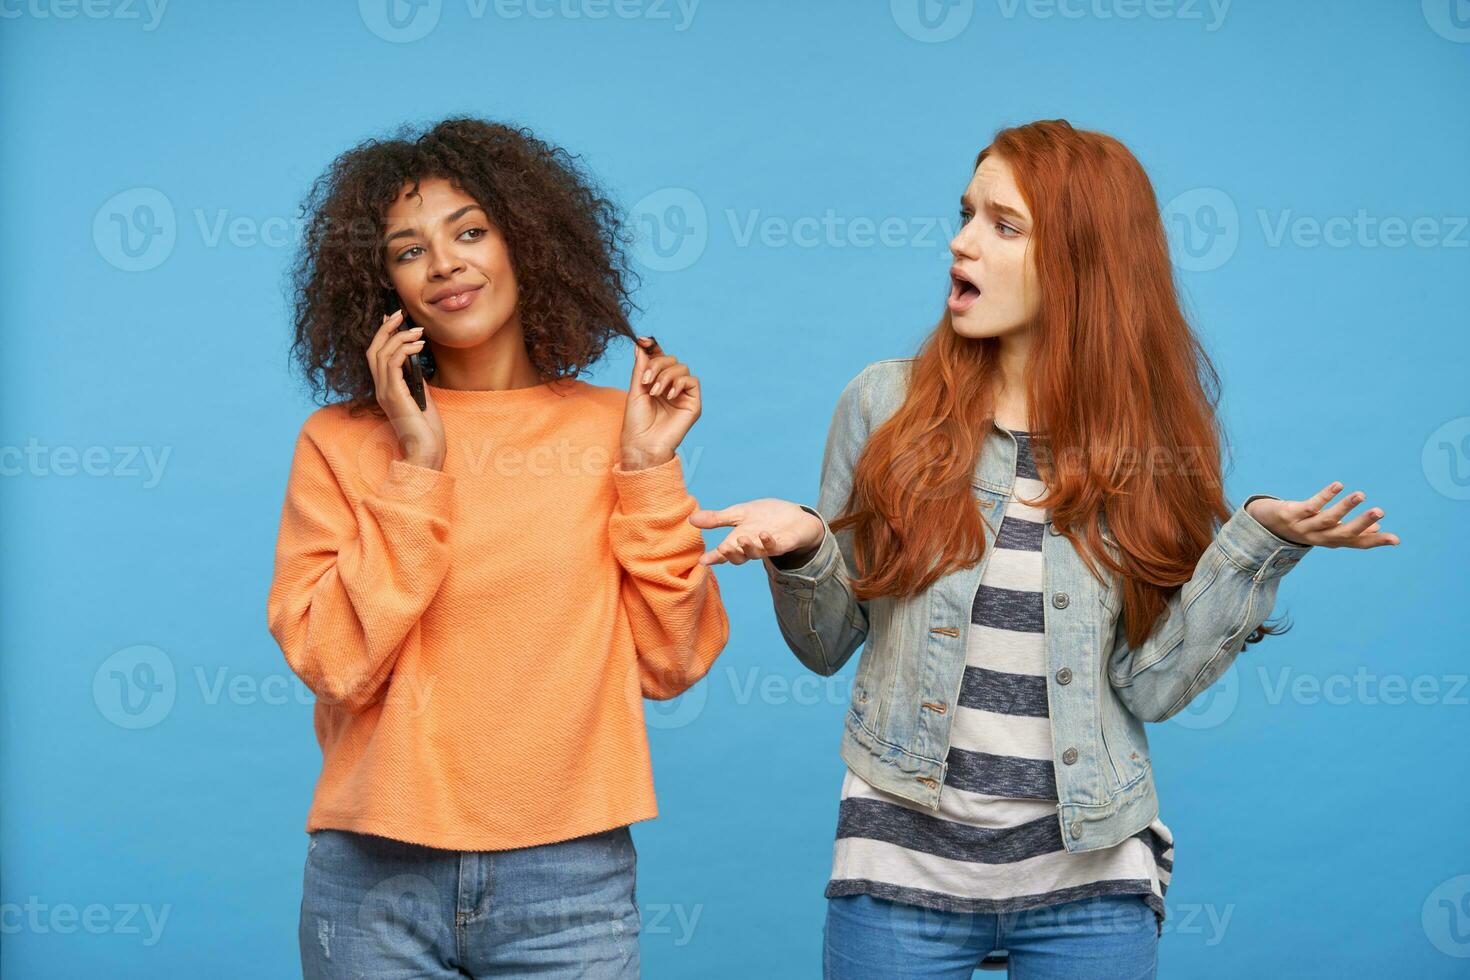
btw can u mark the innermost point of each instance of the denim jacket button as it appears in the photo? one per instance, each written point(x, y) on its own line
point(1060, 600)
point(1064, 676)
point(1076, 831)
point(1069, 756)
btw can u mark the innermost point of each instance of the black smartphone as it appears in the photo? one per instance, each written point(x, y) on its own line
point(413, 375)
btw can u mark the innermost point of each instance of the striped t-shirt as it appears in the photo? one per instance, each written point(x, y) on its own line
point(995, 843)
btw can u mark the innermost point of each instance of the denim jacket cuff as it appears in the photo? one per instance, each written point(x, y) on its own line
point(1249, 544)
point(816, 569)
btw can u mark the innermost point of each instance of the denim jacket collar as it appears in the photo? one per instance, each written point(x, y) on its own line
point(996, 470)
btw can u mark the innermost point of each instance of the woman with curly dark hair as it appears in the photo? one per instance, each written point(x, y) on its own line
point(481, 581)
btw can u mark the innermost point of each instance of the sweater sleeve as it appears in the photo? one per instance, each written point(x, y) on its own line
point(352, 581)
point(673, 602)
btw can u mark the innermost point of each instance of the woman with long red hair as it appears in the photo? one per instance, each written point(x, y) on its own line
point(1025, 527)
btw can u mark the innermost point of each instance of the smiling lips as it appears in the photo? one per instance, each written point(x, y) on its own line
point(962, 292)
point(457, 299)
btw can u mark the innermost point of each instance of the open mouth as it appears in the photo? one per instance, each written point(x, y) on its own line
point(962, 292)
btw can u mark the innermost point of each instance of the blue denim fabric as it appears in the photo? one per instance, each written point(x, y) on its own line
point(1106, 937)
point(385, 909)
point(1099, 689)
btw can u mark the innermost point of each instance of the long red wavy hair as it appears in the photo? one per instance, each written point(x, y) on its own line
point(1121, 398)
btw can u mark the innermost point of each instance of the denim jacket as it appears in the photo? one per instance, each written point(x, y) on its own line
point(1100, 691)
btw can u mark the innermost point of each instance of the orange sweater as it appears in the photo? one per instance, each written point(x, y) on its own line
point(480, 638)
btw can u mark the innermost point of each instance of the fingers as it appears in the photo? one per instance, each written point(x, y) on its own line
point(401, 353)
point(1319, 499)
point(715, 518)
point(654, 365)
point(1316, 516)
point(396, 349)
point(1340, 509)
point(1360, 523)
point(644, 350)
point(683, 394)
point(665, 379)
point(739, 548)
point(385, 330)
point(1333, 520)
point(1362, 531)
point(386, 354)
point(641, 354)
point(1313, 505)
point(1371, 538)
point(728, 517)
point(663, 376)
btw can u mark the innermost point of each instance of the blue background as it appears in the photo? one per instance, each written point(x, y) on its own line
point(1318, 835)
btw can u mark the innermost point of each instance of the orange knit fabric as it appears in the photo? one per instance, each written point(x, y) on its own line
point(480, 638)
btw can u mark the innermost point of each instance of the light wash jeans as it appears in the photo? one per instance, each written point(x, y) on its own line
point(381, 908)
point(1107, 937)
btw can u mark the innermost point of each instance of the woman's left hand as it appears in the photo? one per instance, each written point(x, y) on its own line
point(663, 402)
point(1312, 522)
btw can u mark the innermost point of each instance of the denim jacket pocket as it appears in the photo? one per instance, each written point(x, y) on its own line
point(1125, 741)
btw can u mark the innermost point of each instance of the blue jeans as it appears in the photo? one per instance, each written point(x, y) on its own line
point(1109, 937)
point(374, 907)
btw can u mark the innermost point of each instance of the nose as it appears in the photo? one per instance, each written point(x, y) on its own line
point(963, 244)
point(445, 263)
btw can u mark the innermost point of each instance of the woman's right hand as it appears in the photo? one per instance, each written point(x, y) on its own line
point(420, 433)
point(764, 528)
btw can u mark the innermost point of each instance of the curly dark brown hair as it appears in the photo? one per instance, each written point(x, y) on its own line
point(566, 239)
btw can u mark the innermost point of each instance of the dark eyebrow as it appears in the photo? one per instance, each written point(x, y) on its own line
point(450, 219)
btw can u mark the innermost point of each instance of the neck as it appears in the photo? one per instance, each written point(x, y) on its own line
point(1010, 397)
point(499, 364)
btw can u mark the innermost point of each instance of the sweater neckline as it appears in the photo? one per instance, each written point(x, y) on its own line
point(455, 399)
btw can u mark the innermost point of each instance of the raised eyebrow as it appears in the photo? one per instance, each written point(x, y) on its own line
point(410, 232)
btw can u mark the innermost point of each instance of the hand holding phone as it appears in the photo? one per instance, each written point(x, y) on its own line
point(415, 419)
point(413, 375)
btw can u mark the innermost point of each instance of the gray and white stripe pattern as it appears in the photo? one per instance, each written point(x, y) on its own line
point(995, 843)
